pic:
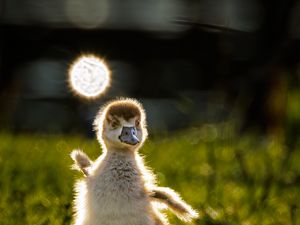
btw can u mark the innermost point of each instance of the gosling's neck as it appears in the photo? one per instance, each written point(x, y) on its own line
point(126, 151)
point(120, 152)
point(120, 159)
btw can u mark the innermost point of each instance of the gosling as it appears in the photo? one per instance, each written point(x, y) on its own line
point(117, 188)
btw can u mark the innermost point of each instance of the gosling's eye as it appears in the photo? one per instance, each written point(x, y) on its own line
point(115, 124)
point(137, 123)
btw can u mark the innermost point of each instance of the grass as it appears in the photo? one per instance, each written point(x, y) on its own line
point(230, 180)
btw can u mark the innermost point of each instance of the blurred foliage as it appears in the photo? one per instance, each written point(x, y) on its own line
point(229, 179)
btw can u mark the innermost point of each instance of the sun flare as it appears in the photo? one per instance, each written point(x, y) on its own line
point(89, 76)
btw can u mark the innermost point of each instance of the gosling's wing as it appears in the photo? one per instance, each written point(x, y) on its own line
point(171, 199)
point(82, 161)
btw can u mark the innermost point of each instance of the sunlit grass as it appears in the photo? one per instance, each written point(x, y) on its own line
point(230, 180)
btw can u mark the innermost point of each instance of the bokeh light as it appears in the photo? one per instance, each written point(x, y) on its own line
point(89, 76)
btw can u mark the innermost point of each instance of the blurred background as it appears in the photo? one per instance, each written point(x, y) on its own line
point(217, 78)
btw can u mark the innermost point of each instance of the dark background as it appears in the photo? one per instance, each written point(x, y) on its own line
point(189, 62)
point(219, 81)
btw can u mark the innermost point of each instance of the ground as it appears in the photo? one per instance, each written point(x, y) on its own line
point(229, 180)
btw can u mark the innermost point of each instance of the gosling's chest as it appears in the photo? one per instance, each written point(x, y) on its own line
point(117, 194)
point(117, 180)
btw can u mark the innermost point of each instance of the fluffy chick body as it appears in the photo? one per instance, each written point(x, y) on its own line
point(118, 189)
point(114, 193)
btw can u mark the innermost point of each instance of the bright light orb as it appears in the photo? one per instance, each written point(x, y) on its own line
point(89, 76)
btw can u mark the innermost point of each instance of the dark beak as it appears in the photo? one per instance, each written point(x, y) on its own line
point(128, 136)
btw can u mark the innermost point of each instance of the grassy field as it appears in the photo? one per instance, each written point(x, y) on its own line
point(230, 180)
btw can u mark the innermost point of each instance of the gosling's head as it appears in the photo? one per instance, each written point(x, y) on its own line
point(121, 125)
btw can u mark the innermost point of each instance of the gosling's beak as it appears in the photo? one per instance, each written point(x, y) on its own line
point(128, 136)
